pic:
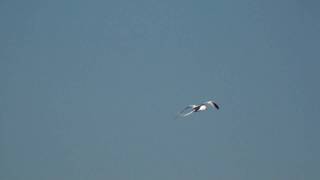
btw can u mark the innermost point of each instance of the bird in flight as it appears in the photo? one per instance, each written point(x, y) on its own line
point(197, 108)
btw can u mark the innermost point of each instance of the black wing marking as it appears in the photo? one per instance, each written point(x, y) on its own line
point(215, 105)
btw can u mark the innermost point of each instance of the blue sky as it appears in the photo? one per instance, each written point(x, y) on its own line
point(89, 89)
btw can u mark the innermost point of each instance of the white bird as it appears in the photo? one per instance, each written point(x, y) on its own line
point(196, 108)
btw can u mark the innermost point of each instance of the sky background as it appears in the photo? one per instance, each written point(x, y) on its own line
point(90, 89)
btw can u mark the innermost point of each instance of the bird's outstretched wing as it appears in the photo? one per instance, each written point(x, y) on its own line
point(187, 114)
point(213, 104)
point(186, 111)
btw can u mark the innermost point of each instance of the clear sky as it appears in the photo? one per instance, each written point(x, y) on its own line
point(89, 89)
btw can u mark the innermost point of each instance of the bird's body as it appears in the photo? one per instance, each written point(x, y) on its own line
point(201, 107)
point(197, 108)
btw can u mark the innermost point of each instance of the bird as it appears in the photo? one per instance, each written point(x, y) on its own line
point(197, 108)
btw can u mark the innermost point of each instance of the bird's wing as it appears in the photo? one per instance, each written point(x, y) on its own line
point(188, 108)
point(187, 114)
point(216, 105)
point(187, 111)
point(213, 104)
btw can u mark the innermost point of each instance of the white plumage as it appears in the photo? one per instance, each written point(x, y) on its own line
point(196, 108)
